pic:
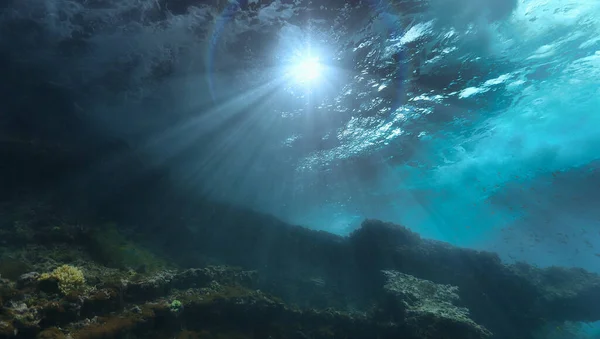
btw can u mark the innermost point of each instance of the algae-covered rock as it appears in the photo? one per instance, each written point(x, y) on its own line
point(570, 294)
point(7, 291)
point(428, 310)
point(11, 268)
point(51, 333)
point(110, 247)
point(29, 279)
point(226, 275)
point(7, 330)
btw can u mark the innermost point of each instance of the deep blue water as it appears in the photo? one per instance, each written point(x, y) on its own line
point(476, 123)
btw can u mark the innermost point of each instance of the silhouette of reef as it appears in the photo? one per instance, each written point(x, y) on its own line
point(221, 271)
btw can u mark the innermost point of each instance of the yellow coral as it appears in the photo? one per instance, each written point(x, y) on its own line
point(69, 278)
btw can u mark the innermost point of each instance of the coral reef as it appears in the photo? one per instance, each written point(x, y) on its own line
point(68, 278)
point(272, 280)
point(428, 310)
point(212, 302)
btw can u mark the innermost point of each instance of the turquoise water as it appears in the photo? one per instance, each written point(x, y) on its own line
point(469, 122)
point(510, 166)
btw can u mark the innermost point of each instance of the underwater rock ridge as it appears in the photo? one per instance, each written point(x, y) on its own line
point(426, 288)
point(428, 310)
point(499, 296)
point(219, 302)
point(509, 300)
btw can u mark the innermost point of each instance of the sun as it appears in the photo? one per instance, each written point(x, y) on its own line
point(306, 70)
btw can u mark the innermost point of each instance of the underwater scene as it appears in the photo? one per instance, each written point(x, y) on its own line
point(300, 169)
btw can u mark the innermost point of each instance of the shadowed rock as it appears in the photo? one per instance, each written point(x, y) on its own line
point(563, 293)
point(509, 300)
point(317, 270)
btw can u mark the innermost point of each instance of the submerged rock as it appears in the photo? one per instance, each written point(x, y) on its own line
point(28, 279)
point(221, 302)
point(571, 294)
point(326, 277)
point(428, 310)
